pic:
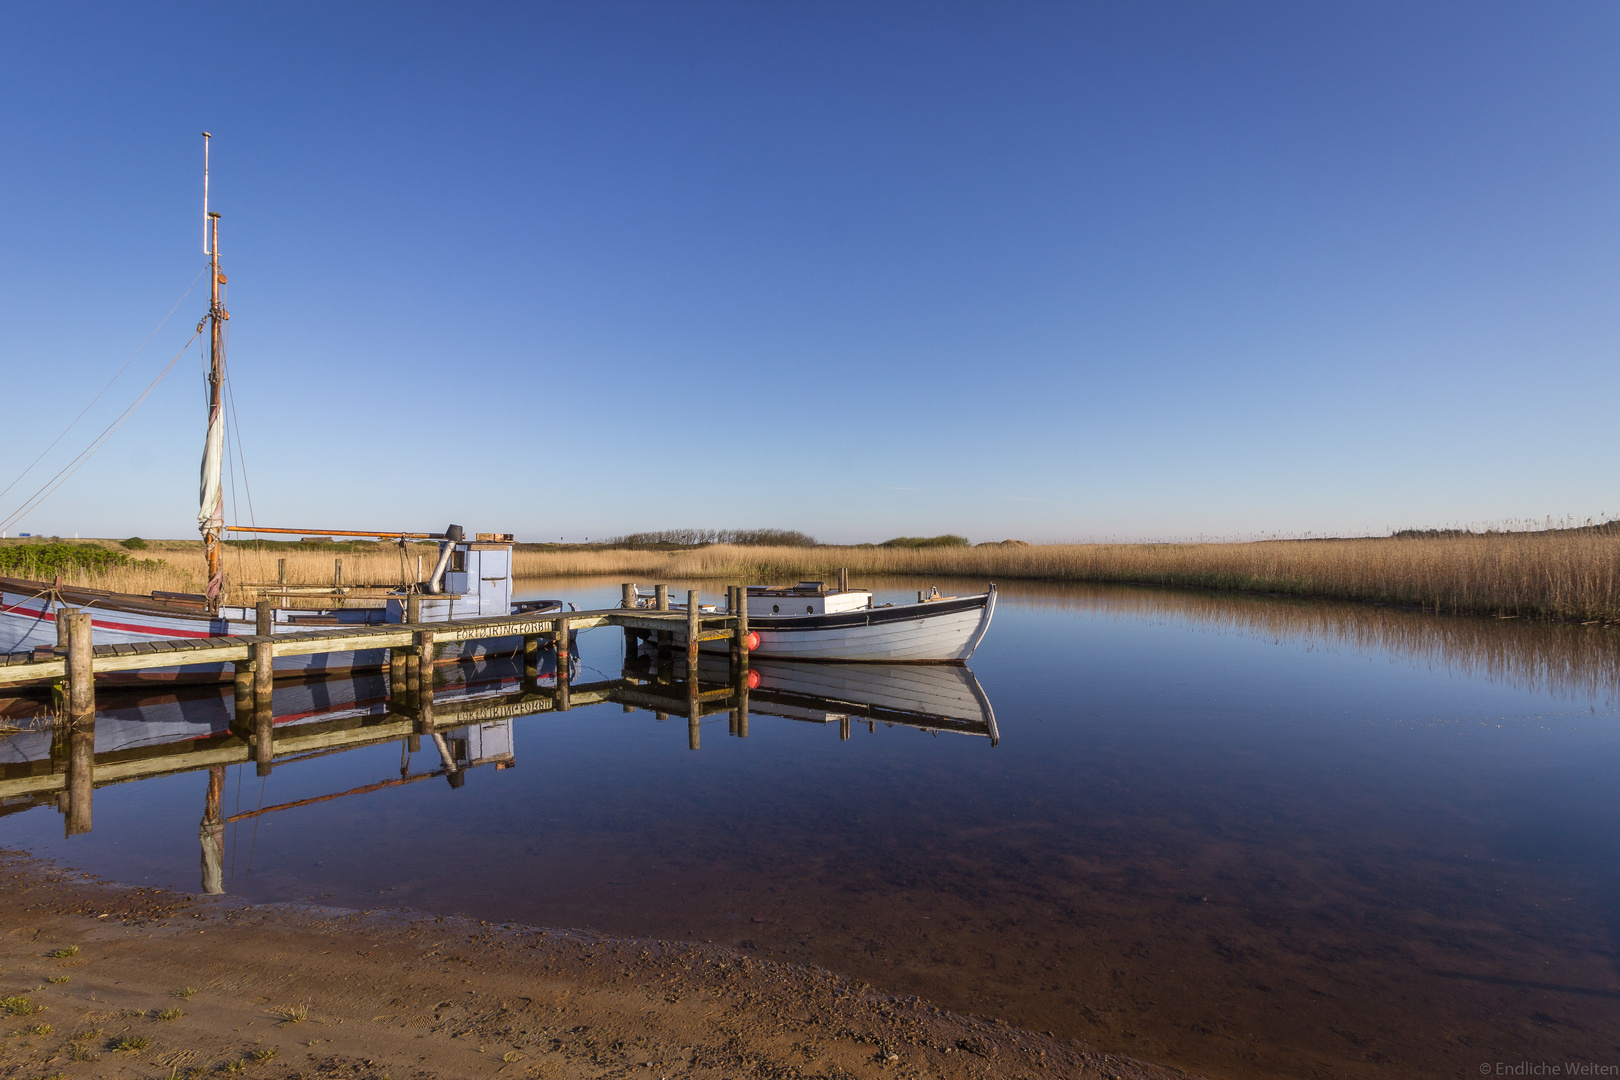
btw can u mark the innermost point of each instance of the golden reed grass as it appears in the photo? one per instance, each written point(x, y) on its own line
point(1544, 575)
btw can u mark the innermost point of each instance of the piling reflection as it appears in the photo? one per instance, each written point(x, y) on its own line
point(464, 715)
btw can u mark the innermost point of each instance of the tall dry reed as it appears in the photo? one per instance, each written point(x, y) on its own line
point(1548, 575)
point(1543, 575)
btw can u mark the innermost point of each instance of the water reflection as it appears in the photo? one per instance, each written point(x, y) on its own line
point(137, 736)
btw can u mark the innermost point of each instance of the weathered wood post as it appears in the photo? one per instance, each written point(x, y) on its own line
point(665, 639)
point(843, 579)
point(337, 573)
point(627, 600)
point(81, 670)
point(424, 682)
point(264, 688)
point(82, 723)
point(281, 573)
point(742, 639)
point(562, 663)
point(242, 687)
point(843, 728)
point(661, 594)
point(413, 672)
point(694, 627)
point(59, 688)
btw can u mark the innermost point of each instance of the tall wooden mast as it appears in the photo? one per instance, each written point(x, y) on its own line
point(211, 513)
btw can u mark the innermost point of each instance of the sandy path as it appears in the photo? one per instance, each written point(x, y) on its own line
point(301, 992)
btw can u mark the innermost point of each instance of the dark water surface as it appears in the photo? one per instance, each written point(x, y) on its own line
point(1244, 836)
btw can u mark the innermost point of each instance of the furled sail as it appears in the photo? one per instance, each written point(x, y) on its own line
point(210, 512)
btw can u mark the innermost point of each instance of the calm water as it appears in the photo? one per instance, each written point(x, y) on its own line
point(1239, 835)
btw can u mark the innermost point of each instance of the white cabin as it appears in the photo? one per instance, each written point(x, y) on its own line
point(805, 598)
point(477, 582)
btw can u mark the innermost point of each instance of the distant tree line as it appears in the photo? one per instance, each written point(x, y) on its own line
point(700, 537)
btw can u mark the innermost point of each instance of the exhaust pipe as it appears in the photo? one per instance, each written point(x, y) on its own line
point(435, 583)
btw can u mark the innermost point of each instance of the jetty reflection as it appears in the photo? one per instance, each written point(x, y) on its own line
point(469, 725)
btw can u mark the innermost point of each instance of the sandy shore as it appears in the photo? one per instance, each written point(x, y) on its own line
point(295, 991)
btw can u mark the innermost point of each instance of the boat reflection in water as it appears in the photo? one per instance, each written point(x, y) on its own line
point(469, 724)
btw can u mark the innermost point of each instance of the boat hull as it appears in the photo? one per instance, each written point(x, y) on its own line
point(28, 621)
point(938, 631)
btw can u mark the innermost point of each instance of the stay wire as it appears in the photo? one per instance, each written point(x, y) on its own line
point(66, 472)
point(110, 381)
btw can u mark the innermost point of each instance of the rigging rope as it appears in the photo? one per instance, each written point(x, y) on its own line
point(110, 381)
point(66, 472)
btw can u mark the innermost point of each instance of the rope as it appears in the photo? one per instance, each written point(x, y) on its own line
point(73, 466)
point(110, 381)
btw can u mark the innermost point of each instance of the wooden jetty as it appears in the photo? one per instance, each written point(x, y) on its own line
point(73, 666)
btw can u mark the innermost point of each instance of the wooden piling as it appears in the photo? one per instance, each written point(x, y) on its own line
point(627, 599)
point(562, 663)
point(741, 632)
point(661, 593)
point(843, 579)
point(281, 572)
point(337, 573)
point(413, 608)
point(843, 729)
point(424, 681)
point(264, 618)
point(694, 625)
point(264, 686)
point(81, 670)
point(59, 687)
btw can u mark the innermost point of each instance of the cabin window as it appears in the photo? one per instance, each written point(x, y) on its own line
point(776, 609)
point(809, 609)
point(458, 562)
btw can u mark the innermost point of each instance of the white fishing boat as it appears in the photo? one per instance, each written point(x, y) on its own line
point(809, 621)
point(471, 577)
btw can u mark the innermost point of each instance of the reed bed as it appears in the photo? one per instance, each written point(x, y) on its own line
point(1543, 575)
point(1553, 575)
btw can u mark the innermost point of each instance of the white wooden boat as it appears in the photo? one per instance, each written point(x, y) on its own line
point(809, 621)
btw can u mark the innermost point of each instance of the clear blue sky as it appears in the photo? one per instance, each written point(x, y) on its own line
point(1064, 271)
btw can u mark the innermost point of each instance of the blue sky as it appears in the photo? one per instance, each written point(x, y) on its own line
point(1056, 272)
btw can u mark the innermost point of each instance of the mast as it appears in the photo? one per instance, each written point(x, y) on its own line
point(211, 508)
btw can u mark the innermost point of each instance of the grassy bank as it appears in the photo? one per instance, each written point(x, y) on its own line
point(1560, 575)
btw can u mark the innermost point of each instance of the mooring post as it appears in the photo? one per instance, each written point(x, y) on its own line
point(741, 630)
point(843, 729)
point(337, 573)
point(694, 626)
point(843, 579)
point(82, 723)
point(413, 673)
point(59, 688)
point(81, 668)
point(264, 618)
point(531, 663)
point(424, 681)
point(627, 600)
point(661, 595)
point(281, 572)
point(264, 687)
point(563, 659)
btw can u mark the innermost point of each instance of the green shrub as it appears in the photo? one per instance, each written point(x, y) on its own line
point(134, 543)
point(948, 540)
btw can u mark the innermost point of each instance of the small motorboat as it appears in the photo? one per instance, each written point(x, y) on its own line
point(809, 621)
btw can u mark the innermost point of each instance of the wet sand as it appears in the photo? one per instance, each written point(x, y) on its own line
point(299, 991)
